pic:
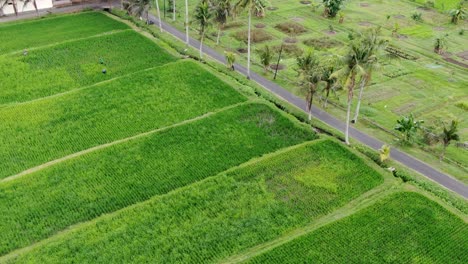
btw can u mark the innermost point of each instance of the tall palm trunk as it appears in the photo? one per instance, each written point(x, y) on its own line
point(159, 15)
point(173, 10)
point(358, 106)
point(309, 105)
point(219, 34)
point(325, 104)
point(248, 42)
point(35, 7)
point(187, 39)
point(15, 8)
point(201, 43)
point(350, 99)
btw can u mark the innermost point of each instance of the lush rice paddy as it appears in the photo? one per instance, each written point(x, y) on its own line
point(44, 130)
point(223, 215)
point(164, 161)
point(66, 66)
point(402, 228)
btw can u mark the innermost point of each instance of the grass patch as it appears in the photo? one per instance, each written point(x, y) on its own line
point(135, 104)
point(220, 216)
point(38, 205)
point(291, 28)
point(403, 228)
point(25, 35)
point(75, 64)
point(257, 35)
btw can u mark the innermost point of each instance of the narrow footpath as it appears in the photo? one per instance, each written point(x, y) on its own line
point(409, 161)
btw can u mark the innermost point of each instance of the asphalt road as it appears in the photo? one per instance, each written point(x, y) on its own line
point(411, 162)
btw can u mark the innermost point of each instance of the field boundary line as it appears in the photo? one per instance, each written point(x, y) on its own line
point(364, 201)
point(8, 105)
point(119, 141)
point(106, 33)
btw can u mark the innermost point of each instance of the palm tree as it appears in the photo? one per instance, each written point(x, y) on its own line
point(458, 13)
point(266, 55)
point(351, 70)
point(449, 134)
point(26, 2)
point(173, 10)
point(408, 127)
point(384, 153)
point(311, 77)
point(222, 9)
point(329, 64)
point(375, 45)
point(159, 14)
point(230, 59)
point(251, 6)
point(203, 18)
point(140, 8)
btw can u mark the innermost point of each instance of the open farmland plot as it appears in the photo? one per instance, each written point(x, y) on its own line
point(40, 131)
point(70, 65)
point(29, 34)
point(37, 205)
point(222, 215)
point(402, 228)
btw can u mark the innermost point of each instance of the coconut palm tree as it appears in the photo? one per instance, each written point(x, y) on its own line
point(449, 134)
point(266, 55)
point(311, 74)
point(375, 46)
point(351, 70)
point(256, 6)
point(27, 2)
point(140, 8)
point(222, 9)
point(203, 18)
point(158, 11)
point(458, 13)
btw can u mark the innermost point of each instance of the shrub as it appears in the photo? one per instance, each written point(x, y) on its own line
point(257, 35)
point(291, 28)
point(289, 49)
point(321, 43)
point(417, 16)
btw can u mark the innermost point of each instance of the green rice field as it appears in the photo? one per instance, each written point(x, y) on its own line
point(163, 159)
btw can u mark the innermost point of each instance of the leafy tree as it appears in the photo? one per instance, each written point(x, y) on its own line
point(332, 7)
point(408, 127)
point(266, 55)
point(203, 17)
point(384, 152)
point(457, 13)
point(251, 6)
point(222, 10)
point(447, 135)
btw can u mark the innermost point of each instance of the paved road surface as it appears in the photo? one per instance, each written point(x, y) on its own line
point(411, 162)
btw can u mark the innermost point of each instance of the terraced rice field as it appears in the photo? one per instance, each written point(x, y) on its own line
point(164, 160)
